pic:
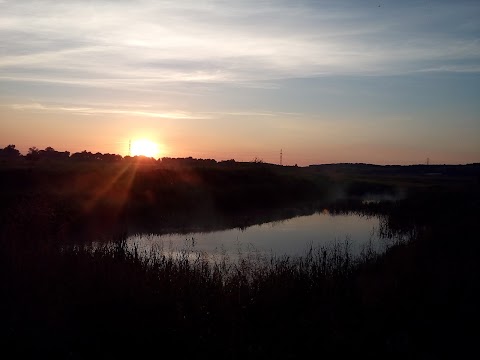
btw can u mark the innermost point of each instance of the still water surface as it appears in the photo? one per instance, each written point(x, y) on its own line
point(288, 237)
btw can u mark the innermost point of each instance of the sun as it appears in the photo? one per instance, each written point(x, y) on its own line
point(143, 147)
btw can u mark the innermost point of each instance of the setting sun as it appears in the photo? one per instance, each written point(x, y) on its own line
point(144, 147)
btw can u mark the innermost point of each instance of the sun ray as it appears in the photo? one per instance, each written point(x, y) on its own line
point(109, 182)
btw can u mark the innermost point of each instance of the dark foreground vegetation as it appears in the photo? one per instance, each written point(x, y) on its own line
point(62, 296)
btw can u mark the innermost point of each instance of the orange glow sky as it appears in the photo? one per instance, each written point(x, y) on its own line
point(326, 82)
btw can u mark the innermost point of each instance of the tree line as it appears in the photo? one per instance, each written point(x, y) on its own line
point(34, 154)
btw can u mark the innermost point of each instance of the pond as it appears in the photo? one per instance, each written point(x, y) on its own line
point(291, 237)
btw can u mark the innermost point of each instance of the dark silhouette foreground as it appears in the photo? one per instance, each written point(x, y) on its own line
point(70, 299)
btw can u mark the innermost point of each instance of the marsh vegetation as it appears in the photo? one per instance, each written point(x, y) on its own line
point(72, 286)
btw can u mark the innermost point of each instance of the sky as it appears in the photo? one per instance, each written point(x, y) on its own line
point(384, 82)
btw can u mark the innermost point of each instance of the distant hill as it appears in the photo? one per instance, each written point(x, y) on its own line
point(362, 168)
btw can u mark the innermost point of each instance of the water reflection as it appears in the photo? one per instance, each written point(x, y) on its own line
point(286, 237)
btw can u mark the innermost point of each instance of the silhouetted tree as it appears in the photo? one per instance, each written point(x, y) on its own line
point(52, 154)
point(186, 162)
point(33, 154)
point(9, 152)
point(110, 157)
point(83, 156)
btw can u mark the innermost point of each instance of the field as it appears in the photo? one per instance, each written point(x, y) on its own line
point(62, 296)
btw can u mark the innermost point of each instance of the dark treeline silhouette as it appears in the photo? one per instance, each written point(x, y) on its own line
point(88, 156)
point(49, 153)
point(419, 169)
point(34, 154)
point(62, 297)
point(9, 153)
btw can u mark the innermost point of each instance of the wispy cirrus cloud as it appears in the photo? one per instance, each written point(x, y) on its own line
point(143, 43)
point(79, 110)
point(141, 110)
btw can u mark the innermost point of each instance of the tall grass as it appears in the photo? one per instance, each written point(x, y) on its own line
point(111, 299)
point(81, 299)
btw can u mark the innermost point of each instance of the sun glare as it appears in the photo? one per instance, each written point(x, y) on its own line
point(145, 148)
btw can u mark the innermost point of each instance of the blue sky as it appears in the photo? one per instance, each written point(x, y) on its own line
point(327, 81)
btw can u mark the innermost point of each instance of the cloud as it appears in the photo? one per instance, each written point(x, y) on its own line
point(142, 110)
point(253, 113)
point(137, 111)
point(141, 44)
